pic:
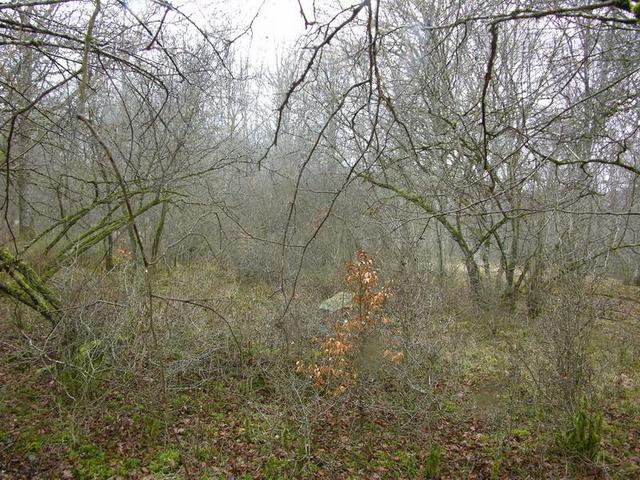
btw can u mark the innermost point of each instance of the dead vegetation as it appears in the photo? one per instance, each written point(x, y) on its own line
point(442, 390)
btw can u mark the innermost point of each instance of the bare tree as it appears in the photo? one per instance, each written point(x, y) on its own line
point(106, 100)
point(465, 111)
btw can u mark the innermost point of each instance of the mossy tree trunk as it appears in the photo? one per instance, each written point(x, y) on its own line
point(21, 282)
point(453, 227)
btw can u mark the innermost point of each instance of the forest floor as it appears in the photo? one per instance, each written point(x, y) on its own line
point(254, 421)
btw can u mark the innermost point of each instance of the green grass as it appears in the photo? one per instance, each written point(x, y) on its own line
point(166, 460)
point(260, 420)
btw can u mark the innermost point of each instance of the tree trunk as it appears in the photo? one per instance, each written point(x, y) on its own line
point(473, 274)
point(440, 252)
point(159, 231)
point(21, 138)
point(636, 276)
point(534, 290)
point(486, 263)
point(133, 247)
point(24, 231)
point(108, 258)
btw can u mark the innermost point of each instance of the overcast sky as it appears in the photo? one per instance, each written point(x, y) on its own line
point(276, 27)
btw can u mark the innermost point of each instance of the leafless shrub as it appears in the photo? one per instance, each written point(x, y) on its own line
point(556, 352)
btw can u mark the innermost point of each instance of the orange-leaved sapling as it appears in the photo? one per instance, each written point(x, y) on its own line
point(345, 352)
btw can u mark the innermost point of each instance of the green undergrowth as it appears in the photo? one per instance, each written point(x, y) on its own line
point(223, 429)
point(469, 410)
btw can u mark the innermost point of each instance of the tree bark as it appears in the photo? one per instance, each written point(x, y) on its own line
point(473, 274)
